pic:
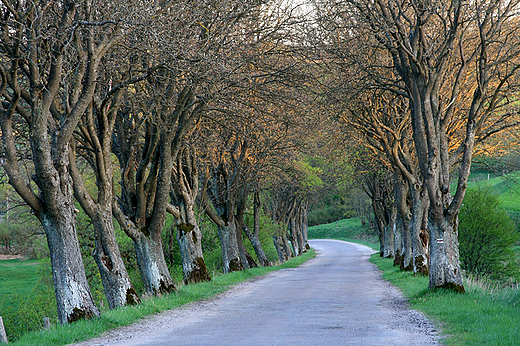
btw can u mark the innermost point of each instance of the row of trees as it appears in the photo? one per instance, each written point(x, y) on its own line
point(421, 84)
point(215, 107)
point(169, 108)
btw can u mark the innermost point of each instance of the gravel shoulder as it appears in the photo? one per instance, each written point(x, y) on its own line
point(337, 298)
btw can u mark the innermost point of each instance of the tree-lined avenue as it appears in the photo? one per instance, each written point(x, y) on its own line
point(337, 298)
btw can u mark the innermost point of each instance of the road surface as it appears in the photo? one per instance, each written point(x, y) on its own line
point(337, 298)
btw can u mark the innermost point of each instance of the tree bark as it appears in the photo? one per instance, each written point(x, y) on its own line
point(396, 225)
point(293, 236)
point(152, 265)
point(119, 290)
point(73, 296)
point(419, 230)
point(279, 246)
point(227, 234)
point(186, 186)
point(149, 254)
point(444, 268)
point(254, 237)
point(96, 136)
point(405, 215)
point(194, 267)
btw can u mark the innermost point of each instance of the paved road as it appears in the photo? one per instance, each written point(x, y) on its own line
point(337, 298)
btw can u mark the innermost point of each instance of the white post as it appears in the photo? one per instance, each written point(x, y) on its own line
point(3, 335)
point(46, 323)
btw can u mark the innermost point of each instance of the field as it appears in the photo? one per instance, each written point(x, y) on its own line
point(17, 276)
point(507, 188)
point(348, 229)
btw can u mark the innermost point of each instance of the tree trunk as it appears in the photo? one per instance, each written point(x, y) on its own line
point(293, 232)
point(116, 282)
point(419, 229)
point(299, 228)
point(186, 185)
point(58, 218)
point(119, 290)
point(246, 258)
point(227, 234)
point(388, 239)
point(403, 208)
point(382, 232)
point(279, 246)
point(257, 246)
point(152, 265)
point(189, 238)
point(397, 226)
point(444, 264)
point(254, 237)
point(286, 246)
point(73, 296)
point(305, 225)
point(194, 267)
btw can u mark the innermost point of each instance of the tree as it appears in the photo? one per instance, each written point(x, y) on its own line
point(185, 184)
point(383, 123)
point(50, 58)
point(94, 138)
point(444, 55)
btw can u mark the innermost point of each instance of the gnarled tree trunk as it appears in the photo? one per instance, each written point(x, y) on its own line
point(119, 290)
point(152, 265)
point(194, 267)
point(405, 215)
point(419, 230)
point(189, 236)
point(73, 295)
point(254, 237)
point(227, 234)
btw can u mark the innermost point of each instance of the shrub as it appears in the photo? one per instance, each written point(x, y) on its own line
point(487, 236)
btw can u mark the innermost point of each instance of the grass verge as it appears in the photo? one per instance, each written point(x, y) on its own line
point(84, 330)
point(485, 315)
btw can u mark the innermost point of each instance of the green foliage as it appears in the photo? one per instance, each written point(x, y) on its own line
point(506, 187)
point(329, 211)
point(18, 227)
point(83, 330)
point(487, 236)
point(310, 176)
point(484, 315)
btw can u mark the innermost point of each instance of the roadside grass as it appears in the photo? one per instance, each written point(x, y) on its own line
point(84, 330)
point(486, 314)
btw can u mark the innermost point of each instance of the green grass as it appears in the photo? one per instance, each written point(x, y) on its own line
point(508, 189)
point(348, 229)
point(484, 315)
point(84, 330)
point(17, 276)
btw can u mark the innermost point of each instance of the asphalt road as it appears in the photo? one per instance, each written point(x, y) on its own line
point(337, 298)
